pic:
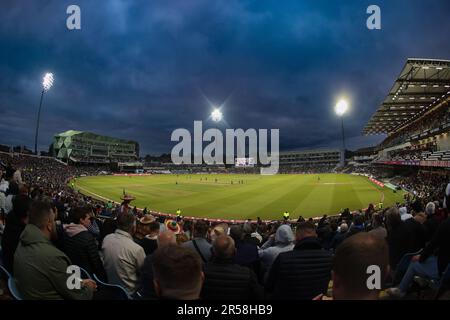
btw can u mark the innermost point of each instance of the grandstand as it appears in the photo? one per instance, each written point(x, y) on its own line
point(311, 160)
point(415, 115)
point(90, 148)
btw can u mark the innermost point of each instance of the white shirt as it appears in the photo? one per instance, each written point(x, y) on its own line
point(447, 193)
point(123, 259)
point(4, 185)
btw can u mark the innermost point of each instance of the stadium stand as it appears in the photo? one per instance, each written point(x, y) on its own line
point(45, 178)
point(91, 148)
point(310, 161)
point(325, 258)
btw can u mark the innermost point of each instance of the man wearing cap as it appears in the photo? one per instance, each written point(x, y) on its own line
point(178, 213)
point(286, 215)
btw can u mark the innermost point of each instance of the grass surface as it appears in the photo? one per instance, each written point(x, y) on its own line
point(259, 196)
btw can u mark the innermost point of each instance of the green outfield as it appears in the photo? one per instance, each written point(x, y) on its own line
point(223, 196)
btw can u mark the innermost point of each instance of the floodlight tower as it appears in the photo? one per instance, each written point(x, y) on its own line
point(216, 116)
point(340, 109)
point(47, 83)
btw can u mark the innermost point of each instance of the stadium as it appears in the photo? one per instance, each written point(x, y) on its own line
point(130, 223)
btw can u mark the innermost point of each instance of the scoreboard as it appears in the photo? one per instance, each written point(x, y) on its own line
point(245, 162)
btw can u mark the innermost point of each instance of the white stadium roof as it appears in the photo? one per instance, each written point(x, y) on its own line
point(422, 84)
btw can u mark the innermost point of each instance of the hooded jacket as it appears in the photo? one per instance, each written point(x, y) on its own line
point(284, 238)
point(40, 269)
point(81, 247)
point(300, 274)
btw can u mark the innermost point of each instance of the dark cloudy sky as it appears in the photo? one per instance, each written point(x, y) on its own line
point(140, 69)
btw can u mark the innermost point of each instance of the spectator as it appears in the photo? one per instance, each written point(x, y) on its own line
point(146, 289)
point(369, 212)
point(170, 278)
point(322, 222)
point(40, 269)
point(250, 233)
point(93, 227)
point(377, 226)
point(404, 215)
point(246, 251)
point(150, 242)
point(357, 226)
point(304, 272)
point(15, 224)
point(417, 230)
point(403, 236)
point(432, 222)
point(218, 230)
point(12, 191)
point(427, 264)
point(80, 245)
point(281, 241)
point(439, 212)
point(199, 244)
point(340, 236)
point(351, 262)
point(225, 279)
point(123, 258)
point(143, 226)
point(327, 233)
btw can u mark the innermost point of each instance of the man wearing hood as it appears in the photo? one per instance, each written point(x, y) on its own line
point(404, 215)
point(304, 272)
point(80, 245)
point(282, 241)
point(40, 269)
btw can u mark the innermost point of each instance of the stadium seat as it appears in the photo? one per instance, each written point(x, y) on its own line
point(13, 289)
point(118, 291)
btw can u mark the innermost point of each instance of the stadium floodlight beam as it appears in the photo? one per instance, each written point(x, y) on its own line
point(47, 83)
point(341, 108)
point(216, 115)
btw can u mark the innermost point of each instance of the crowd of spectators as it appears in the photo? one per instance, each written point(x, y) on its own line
point(433, 120)
point(48, 228)
point(429, 185)
point(416, 153)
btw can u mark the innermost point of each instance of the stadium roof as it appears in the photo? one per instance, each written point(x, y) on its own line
point(69, 133)
point(307, 151)
point(92, 136)
point(422, 84)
